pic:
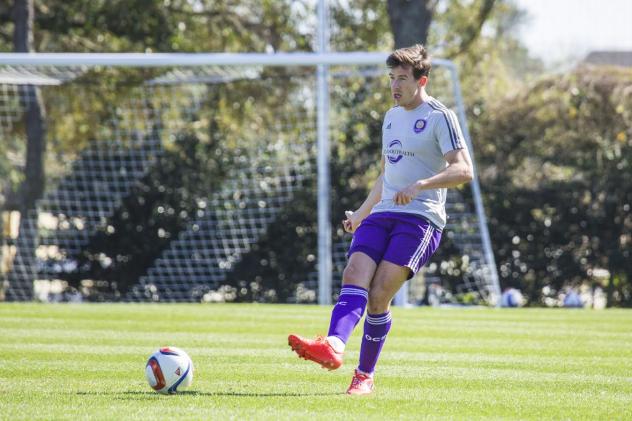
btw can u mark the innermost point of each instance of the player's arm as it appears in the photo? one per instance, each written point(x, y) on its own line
point(353, 219)
point(458, 171)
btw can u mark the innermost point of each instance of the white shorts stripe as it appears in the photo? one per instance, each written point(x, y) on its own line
point(422, 248)
point(422, 245)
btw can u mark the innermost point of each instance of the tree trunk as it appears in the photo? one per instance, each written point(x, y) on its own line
point(24, 265)
point(34, 113)
point(410, 21)
point(35, 180)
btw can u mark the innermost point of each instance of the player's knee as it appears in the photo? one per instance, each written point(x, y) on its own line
point(378, 301)
point(354, 275)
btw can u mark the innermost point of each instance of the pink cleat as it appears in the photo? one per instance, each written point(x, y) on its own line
point(361, 384)
point(318, 350)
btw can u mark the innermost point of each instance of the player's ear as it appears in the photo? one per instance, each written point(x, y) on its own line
point(423, 81)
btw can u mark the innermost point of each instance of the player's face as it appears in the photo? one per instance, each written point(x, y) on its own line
point(406, 91)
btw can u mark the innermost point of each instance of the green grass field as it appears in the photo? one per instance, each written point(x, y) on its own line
point(87, 362)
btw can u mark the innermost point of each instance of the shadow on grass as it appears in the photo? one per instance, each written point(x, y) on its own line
point(135, 395)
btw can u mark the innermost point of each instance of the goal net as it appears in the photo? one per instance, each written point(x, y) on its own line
point(199, 183)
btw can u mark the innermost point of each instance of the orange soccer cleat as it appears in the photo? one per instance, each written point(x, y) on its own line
point(318, 350)
point(361, 384)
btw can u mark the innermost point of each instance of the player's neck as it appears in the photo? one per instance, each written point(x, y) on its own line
point(417, 101)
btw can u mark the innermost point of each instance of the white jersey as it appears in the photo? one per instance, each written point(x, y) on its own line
point(414, 144)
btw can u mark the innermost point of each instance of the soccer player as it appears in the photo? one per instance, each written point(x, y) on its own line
point(398, 227)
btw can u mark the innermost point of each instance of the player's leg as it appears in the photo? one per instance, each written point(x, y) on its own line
point(388, 279)
point(345, 316)
point(352, 300)
point(366, 250)
point(412, 243)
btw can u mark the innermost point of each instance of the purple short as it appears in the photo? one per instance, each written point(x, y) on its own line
point(401, 238)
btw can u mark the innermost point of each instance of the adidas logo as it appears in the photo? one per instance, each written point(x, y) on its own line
point(389, 126)
point(178, 371)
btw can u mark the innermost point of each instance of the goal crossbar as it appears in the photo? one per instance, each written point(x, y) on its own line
point(198, 59)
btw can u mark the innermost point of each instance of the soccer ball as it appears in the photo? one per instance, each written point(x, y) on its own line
point(168, 369)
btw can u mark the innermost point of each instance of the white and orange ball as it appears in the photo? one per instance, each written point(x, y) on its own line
point(169, 369)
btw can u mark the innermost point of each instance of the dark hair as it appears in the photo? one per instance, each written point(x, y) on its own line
point(415, 56)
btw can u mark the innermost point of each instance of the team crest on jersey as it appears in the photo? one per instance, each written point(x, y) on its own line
point(420, 125)
point(394, 152)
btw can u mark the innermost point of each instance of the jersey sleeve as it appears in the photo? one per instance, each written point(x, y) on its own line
point(448, 131)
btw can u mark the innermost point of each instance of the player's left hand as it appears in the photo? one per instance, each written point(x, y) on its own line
point(405, 196)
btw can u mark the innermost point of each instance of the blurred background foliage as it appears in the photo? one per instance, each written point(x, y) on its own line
point(556, 166)
point(554, 150)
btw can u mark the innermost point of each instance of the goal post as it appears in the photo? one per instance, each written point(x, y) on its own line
point(284, 183)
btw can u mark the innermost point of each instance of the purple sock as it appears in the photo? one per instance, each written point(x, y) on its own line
point(376, 327)
point(348, 311)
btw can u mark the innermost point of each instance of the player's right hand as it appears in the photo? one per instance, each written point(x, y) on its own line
point(351, 223)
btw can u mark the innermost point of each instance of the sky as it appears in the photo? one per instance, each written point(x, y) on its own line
point(565, 31)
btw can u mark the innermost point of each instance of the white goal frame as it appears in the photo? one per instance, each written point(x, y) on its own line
point(321, 60)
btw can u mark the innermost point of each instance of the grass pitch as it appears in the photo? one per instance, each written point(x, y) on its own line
point(87, 362)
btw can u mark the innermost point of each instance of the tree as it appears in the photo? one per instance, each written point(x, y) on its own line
point(410, 20)
point(158, 25)
point(557, 158)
